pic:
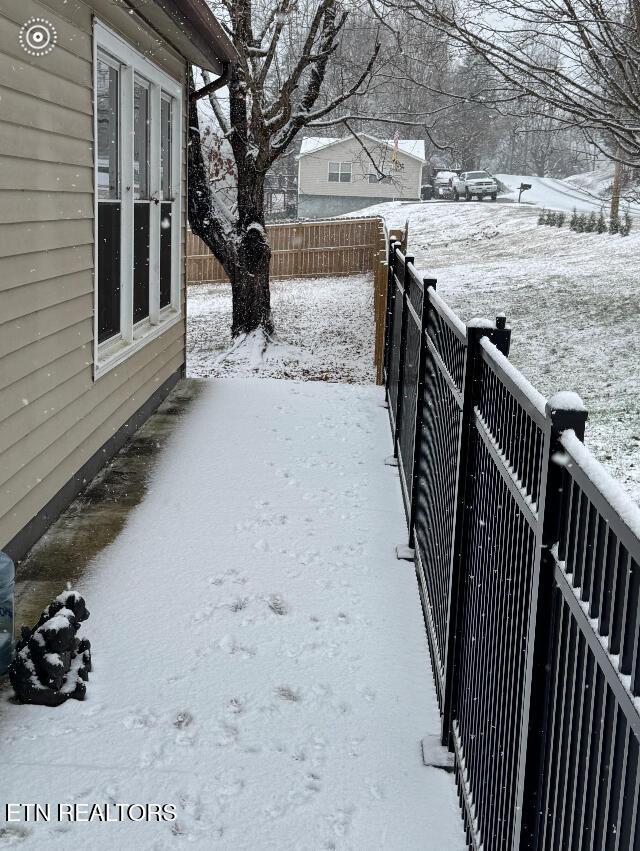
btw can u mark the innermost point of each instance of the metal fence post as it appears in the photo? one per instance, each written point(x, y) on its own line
point(391, 299)
point(500, 335)
point(535, 725)
point(422, 363)
point(406, 283)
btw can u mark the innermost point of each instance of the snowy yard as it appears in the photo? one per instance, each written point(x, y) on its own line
point(572, 300)
point(260, 659)
point(324, 328)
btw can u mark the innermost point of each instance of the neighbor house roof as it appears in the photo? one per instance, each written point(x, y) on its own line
point(191, 27)
point(411, 147)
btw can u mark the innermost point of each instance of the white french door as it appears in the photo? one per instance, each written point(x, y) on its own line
point(138, 114)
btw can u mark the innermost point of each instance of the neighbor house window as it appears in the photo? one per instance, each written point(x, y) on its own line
point(339, 172)
point(375, 177)
point(137, 108)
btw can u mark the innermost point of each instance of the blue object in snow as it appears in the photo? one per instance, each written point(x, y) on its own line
point(7, 593)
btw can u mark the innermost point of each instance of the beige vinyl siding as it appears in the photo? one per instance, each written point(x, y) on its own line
point(53, 415)
point(314, 173)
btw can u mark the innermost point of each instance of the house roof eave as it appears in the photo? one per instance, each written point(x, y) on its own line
point(192, 28)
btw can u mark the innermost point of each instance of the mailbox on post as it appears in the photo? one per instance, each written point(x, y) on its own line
point(523, 188)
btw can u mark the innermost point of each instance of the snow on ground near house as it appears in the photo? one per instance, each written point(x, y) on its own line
point(324, 328)
point(572, 300)
point(557, 194)
point(259, 653)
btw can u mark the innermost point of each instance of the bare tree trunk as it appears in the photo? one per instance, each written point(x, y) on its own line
point(250, 278)
point(242, 247)
point(615, 188)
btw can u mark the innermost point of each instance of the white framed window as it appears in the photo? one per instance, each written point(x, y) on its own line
point(138, 116)
point(339, 172)
point(374, 175)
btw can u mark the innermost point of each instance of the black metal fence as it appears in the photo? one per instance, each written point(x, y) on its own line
point(527, 555)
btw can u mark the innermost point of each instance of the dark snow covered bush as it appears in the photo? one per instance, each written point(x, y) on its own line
point(625, 225)
point(51, 664)
point(591, 223)
point(573, 224)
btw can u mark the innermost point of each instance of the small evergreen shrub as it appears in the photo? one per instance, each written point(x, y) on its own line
point(542, 218)
point(601, 224)
point(614, 224)
point(551, 218)
point(573, 224)
point(581, 223)
point(591, 223)
point(560, 219)
point(625, 226)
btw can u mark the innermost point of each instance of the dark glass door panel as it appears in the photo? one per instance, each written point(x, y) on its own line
point(165, 255)
point(140, 261)
point(108, 270)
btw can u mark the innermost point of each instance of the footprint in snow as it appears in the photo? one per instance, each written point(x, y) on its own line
point(139, 720)
point(229, 645)
point(313, 782)
point(288, 694)
point(236, 706)
point(183, 719)
point(278, 605)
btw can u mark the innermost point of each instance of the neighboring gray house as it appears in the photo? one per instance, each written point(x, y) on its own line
point(340, 175)
point(93, 125)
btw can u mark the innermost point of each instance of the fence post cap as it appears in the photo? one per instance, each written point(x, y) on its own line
point(566, 400)
point(480, 322)
point(566, 410)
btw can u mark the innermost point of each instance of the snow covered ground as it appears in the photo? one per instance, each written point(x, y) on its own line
point(557, 194)
point(572, 300)
point(324, 328)
point(260, 660)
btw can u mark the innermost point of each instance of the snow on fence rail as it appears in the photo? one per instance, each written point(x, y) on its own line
point(528, 563)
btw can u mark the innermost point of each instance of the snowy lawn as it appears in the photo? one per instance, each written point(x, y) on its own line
point(572, 300)
point(259, 653)
point(324, 330)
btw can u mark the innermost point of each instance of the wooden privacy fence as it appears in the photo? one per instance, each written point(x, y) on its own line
point(314, 249)
point(301, 250)
point(527, 555)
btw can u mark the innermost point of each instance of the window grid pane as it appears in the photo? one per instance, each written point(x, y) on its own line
point(108, 255)
point(165, 148)
point(107, 116)
point(140, 141)
point(165, 255)
point(140, 262)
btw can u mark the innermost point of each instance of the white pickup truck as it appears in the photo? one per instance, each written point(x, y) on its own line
point(478, 183)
